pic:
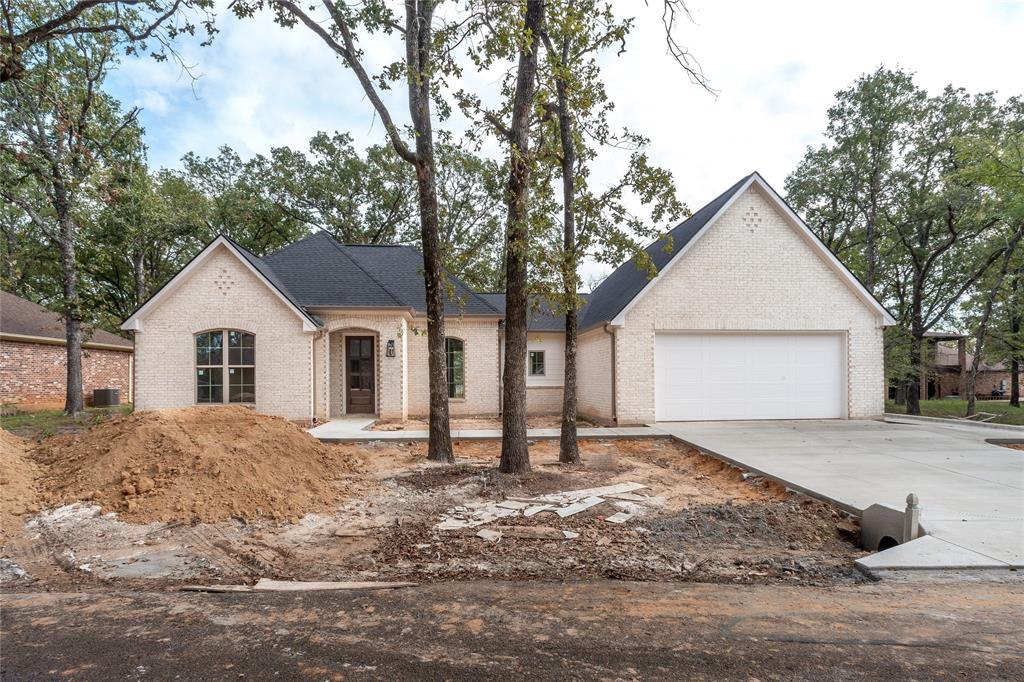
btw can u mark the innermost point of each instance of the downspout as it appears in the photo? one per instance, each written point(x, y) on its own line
point(615, 386)
point(312, 379)
point(131, 370)
point(501, 365)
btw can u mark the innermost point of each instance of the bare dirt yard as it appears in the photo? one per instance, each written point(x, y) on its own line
point(224, 495)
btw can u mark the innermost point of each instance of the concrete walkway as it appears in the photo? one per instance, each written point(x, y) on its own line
point(356, 430)
point(972, 492)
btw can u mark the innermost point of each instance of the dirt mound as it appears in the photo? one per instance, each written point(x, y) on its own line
point(197, 463)
point(18, 476)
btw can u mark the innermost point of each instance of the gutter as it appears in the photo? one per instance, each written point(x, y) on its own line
point(49, 340)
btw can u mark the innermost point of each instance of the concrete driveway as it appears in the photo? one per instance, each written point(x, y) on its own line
point(971, 492)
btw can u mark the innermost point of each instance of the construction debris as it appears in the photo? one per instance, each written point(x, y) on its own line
point(531, 532)
point(267, 585)
point(620, 517)
point(488, 535)
point(563, 504)
point(577, 507)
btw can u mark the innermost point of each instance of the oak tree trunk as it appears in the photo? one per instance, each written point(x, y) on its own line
point(139, 274)
point(73, 401)
point(568, 446)
point(419, 16)
point(439, 448)
point(515, 453)
point(1015, 383)
point(916, 368)
point(1015, 319)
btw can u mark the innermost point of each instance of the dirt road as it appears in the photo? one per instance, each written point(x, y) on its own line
point(529, 630)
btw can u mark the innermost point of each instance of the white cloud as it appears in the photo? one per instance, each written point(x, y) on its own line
point(777, 66)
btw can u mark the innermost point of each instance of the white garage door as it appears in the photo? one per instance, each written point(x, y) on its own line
point(748, 376)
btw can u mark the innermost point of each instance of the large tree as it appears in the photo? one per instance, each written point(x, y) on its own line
point(596, 223)
point(843, 186)
point(994, 159)
point(885, 194)
point(512, 34)
point(428, 42)
point(138, 25)
point(56, 128)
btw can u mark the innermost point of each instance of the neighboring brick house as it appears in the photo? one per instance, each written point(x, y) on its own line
point(950, 366)
point(748, 317)
point(33, 359)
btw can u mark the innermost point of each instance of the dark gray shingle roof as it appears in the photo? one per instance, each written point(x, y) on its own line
point(320, 272)
point(620, 287)
point(544, 315)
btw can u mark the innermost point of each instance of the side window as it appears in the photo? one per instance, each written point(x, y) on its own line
point(209, 367)
point(455, 354)
point(241, 367)
point(238, 363)
point(536, 364)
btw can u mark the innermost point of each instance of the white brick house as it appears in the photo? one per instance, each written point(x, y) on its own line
point(748, 317)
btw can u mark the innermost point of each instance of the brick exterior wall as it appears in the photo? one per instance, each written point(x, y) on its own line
point(544, 392)
point(949, 383)
point(222, 293)
point(390, 391)
point(483, 388)
point(750, 272)
point(36, 373)
point(594, 375)
point(543, 400)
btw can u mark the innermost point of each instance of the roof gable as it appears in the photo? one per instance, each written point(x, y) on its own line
point(613, 298)
point(247, 258)
point(619, 289)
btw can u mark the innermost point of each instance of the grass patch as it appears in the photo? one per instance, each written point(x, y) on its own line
point(45, 423)
point(958, 408)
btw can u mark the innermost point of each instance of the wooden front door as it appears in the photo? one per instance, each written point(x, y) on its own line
point(359, 398)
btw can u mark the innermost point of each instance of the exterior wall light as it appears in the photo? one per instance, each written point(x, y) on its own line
point(389, 351)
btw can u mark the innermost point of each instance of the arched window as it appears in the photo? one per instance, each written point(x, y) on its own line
point(238, 366)
point(455, 353)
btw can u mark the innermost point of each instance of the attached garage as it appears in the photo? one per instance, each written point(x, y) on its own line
point(720, 376)
point(740, 312)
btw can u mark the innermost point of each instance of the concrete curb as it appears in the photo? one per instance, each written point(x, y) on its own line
point(895, 418)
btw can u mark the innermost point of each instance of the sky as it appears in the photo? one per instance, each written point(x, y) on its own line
point(776, 67)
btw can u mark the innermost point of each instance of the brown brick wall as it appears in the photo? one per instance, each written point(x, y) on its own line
point(35, 373)
point(949, 383)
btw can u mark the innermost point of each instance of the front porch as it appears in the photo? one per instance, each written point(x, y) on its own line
point(360, 368)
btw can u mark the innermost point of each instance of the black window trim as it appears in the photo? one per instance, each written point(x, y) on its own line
point(447, 355)
point(225, 366)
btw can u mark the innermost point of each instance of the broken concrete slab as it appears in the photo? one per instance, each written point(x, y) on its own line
point(620, 517)
point(537, 509)
point(489, 535)
point(575, 495)
point(628, 497)
point(513, 504)
point(577, 507)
